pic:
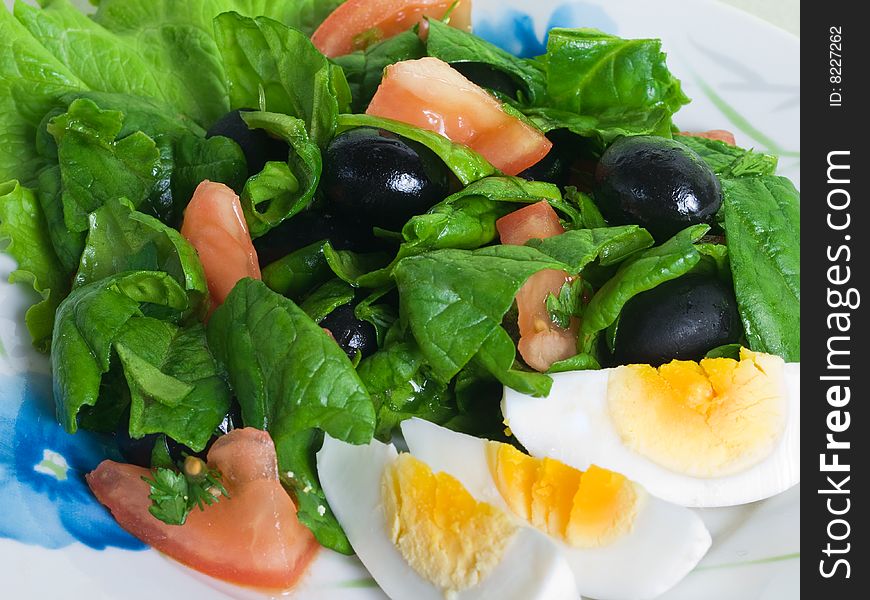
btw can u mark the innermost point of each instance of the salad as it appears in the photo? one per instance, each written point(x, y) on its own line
point(271, 241)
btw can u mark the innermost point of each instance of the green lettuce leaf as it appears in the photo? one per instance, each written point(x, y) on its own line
point(298, 272)
point(88, 322)
point(95, 166)
point(121, 239)
point(175, 386)
point(762, 223)
point(23, 225)
point(290, 377)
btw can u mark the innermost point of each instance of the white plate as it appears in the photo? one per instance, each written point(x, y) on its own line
point(56, 542)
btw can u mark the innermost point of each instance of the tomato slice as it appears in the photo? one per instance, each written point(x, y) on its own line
point(215, 224)
point(542, 342)
point(430, 94)
point(537, 220)
point(357, 24)
point(713, 134)
point(252, 538)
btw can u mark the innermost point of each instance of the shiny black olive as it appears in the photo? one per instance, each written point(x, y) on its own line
point(657, 183)
point(352, 334)
point(488, 77)
point(312, 226)
point(681, 319)
point(556, 166)
point(258, 146)
point(376, 179)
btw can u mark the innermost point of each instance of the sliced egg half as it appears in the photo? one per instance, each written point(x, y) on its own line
point(422, 536)
point(716, 433)
point(621, 543)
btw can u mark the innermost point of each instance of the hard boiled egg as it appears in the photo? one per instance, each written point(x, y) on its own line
point(621, 543)
point(716, 433)
point(422, 536)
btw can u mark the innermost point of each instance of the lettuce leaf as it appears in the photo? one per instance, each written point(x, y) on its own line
point(87, 324)
point(729, 161)
point(23, 225)
point(609, 245)
point(122, 239)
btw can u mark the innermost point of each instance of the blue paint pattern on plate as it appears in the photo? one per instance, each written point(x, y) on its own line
point(514, 30)
point(44, 498)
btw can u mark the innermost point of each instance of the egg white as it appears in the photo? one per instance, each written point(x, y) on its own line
point(663, 546)
point(573, 425)
point(531, 567)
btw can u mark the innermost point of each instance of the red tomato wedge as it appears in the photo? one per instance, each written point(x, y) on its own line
point(542, 342)
point(357, 24)
point(533, 221)
point(713, 134)
point(252, 538)
point(215, 224)
point(430, 94)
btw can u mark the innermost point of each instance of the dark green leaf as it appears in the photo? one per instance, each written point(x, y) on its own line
point(325, 299)
point(762, 221)
point(284, 189)
point(579, 247)
point(298, 272)
point(729, 161)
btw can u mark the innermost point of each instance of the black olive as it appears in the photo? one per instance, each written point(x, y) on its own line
point(258, 146)
point(352, 334)
point(375, 179)
point(657, 183)
point(488, 77)
point(556, 166)
point(312, 226)
point(681, 319)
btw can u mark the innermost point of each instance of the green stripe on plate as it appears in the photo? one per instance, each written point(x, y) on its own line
point(746, 563)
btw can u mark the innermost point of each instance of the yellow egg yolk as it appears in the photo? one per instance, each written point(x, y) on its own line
point(584, 509)
point(444, 534)
point(707, 419)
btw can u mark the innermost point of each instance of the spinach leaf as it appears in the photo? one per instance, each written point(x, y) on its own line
point(455, 46)
point(290, 377)
point(121, 239)
point(23, 224)
point(602, 128)
point(762, 222)
point(466, 164)
point(298, 272)
point(353, 267)
point(465, 220)
point(325, 299)
point(729, 161)
point(578, 362)
point(618, 81)
point(67, 245)
point(397, 380)
point(277, 68)
point(453, 300)
point(285, 189)
point(94, 166)
point(579, 247)
point(588, 217)
point(88, 322)
point(497, 356)
point(175, 386)
point(674, 258)
point(381, 316)
point(364, 69)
